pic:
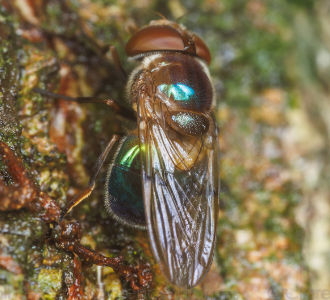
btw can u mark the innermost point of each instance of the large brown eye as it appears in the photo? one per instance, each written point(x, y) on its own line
point(202, 50)
point(163, 38)
point(154, 38)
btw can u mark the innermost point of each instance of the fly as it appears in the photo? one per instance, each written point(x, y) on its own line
point(164, 176)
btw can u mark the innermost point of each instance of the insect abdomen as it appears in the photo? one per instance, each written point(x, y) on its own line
point(124, 199)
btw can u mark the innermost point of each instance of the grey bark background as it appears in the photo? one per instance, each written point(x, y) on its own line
point(271, 70)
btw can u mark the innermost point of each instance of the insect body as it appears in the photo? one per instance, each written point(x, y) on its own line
point(164, 175)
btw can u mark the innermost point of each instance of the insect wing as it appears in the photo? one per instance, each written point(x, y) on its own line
point(181, 206)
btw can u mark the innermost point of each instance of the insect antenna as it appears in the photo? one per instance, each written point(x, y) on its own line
point(184, 15)
point(159, 14)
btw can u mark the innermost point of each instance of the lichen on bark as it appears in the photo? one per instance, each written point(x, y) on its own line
point(271, 75)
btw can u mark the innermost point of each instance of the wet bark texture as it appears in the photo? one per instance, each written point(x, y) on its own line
point(271, 70)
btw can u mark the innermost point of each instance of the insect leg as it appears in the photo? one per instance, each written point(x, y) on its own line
point(91, 184)
point(115, 106)
point(118, 65)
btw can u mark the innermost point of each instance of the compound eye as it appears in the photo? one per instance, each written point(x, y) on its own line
point(154, 38)
point(163, 38)
point(202, 50)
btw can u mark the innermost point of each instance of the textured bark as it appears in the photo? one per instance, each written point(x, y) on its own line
point(271, 69)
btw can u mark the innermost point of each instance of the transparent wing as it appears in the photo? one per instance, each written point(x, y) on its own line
point(180, 186)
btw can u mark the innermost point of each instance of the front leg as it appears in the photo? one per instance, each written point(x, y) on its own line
point(119, 67)
point(115, 106)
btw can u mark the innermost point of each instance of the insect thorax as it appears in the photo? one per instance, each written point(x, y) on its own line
point(174, 87)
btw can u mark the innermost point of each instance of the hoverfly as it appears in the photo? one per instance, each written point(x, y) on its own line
point(163, 177)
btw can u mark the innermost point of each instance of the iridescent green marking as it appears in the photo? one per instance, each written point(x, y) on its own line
point(179, 91)
point(129, 157)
